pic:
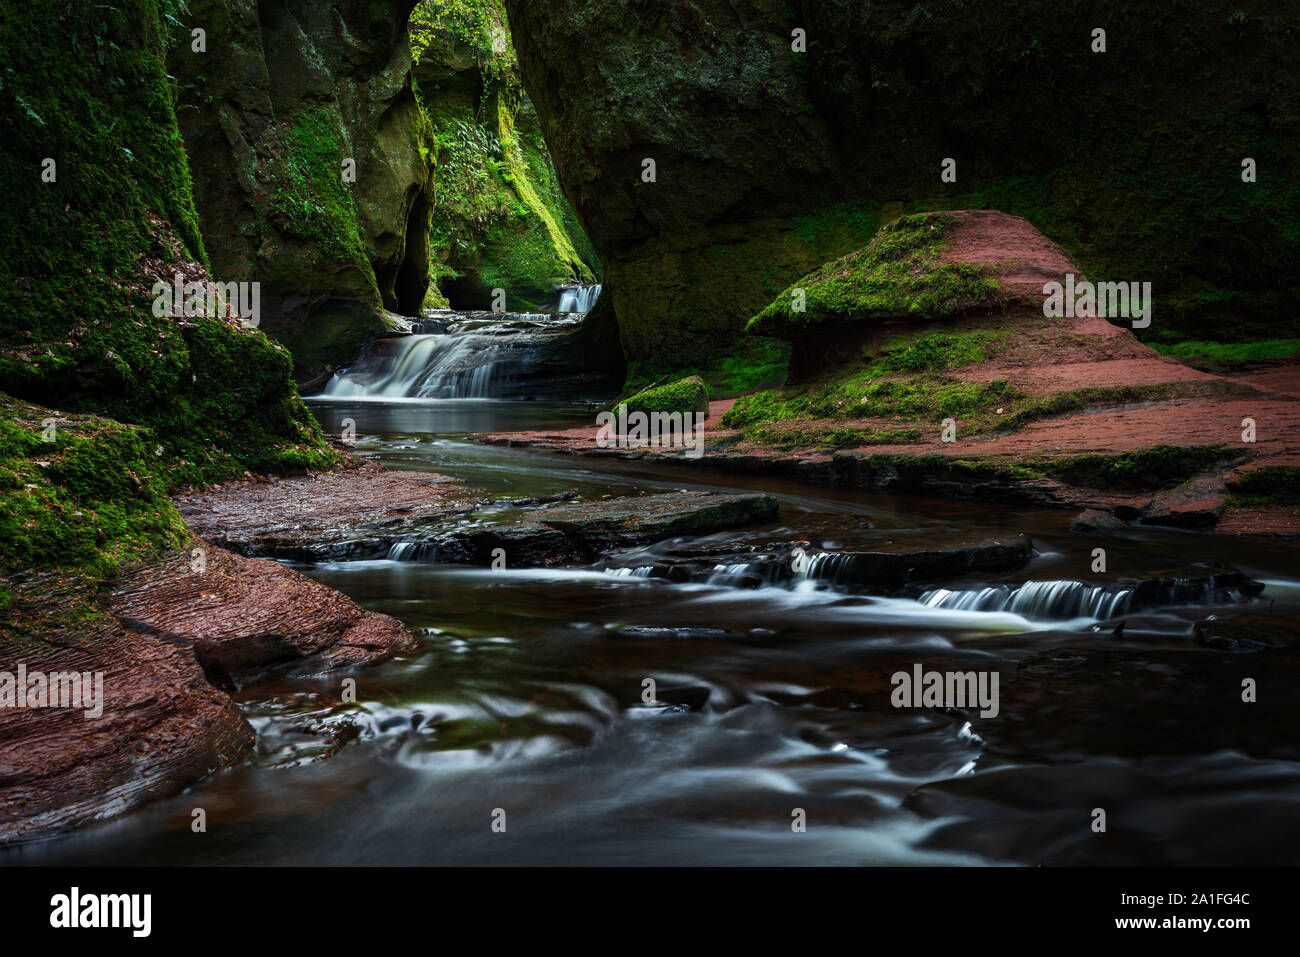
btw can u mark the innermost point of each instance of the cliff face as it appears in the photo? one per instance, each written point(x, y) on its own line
point(500, 221)
point(89, 141)
point(285, 93)
point(770, 159)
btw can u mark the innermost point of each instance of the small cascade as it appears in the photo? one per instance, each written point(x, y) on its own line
point(644, 571)
point(825, 566)
point(1064, 600)
point(578, 298)
point(1039, 601)
point(413, 551)
point(731, 574)
point(463, 356)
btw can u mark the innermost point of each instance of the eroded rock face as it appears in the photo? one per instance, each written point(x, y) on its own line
point(770, 161)
point(284, 93)
point(170, 641)
point(163, 727)
point(245, 617)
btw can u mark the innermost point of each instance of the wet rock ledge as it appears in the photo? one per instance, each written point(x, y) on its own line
point(422, 516)
point(175, 635)
point(169, 637)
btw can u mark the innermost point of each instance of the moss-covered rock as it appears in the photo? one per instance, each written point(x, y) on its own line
point(689, 395)
point(771, 160)
point(897, 275)
point(193, 398)
point(282, 99)
point(501, 221)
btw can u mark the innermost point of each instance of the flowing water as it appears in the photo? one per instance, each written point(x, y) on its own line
point(772, 697)
point(471, 356)
point(578, 298)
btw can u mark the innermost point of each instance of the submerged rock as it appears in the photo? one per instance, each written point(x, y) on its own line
point(1096, 520)
point(581, 532)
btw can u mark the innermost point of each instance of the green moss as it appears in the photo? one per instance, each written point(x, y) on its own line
point(1272, 485)
point(94, 497)
point(192, 399)
point(897, 274)
point(935, 351)
point(309, 197)
point(814, 435)
point(860, 398)
point(500, 220)
point(1162, 466)
point(750, 364)
point(1216, 356)
point(685, 395)
point(873, 389)
point(1144, 185)
point(1080, 400)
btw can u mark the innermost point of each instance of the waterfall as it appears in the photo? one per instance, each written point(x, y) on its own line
point(1039, 601)
point(578, 298)
point(1063, 600)
point(461, 356)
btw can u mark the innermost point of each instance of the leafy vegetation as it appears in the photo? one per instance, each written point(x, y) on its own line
point(501, 220)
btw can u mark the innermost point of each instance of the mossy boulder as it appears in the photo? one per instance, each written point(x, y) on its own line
point(138, 402)
point(772, 157)
point(689, 395)
point(898, 275)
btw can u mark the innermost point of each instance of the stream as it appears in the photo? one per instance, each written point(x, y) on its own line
point(770, 699)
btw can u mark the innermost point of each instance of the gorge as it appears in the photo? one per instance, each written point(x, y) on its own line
point(361, 573)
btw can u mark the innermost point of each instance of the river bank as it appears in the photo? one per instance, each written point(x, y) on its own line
point(902, 381)
point(523, 685)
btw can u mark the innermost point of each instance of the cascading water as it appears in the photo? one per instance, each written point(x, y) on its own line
point(1039, 601)
point(578, 298)
point(471, 356)
point(1064, 600)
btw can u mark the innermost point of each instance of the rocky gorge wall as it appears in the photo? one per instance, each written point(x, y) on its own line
point(281, 95)
point(771, 159)
point(501, 220)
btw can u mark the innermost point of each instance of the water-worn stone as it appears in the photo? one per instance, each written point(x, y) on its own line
point(580, 533)
point(1095, 520)
point(1199, 503)
point(356, 513)
point(245, 617)
point(894, 569)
